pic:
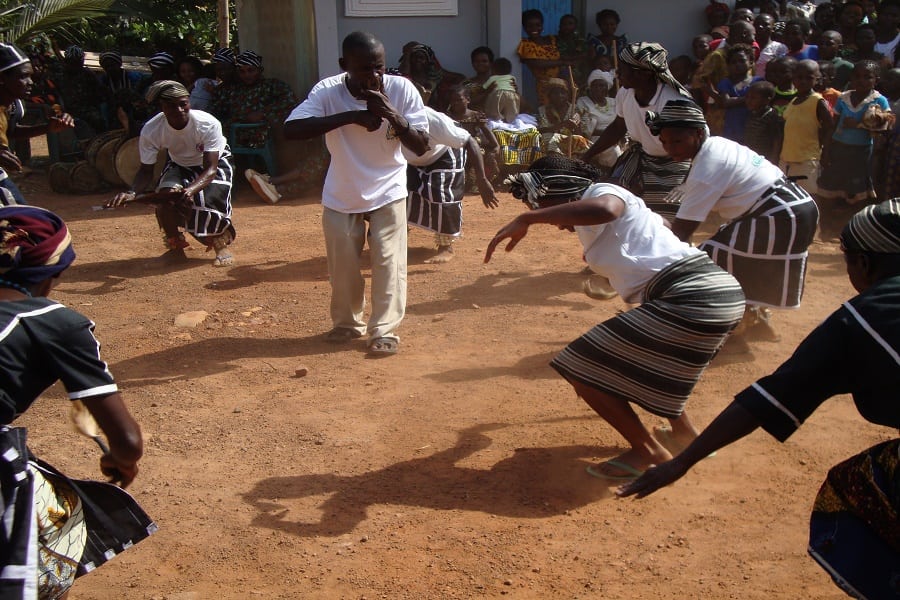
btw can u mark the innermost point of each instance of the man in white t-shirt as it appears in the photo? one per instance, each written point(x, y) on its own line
point(198, 173)
point(365, 117)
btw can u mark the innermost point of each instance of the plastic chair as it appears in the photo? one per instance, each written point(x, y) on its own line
point(267, 151)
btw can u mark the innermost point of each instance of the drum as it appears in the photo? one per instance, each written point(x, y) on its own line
point(85, 178)
point(128, 162)
point(105, 161)
point(58, 176)
point(95, 143)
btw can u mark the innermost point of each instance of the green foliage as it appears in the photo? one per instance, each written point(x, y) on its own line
point(138, 27)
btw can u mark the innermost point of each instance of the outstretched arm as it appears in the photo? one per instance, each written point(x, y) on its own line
point(587, 211)
point(732, 424)
point(614, 132)
point(485, 189)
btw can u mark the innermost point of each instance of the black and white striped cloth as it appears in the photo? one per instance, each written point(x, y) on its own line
point(767, 248)
point(211, 214)
point(650, 178)
point(436, 193)
point(653, 355)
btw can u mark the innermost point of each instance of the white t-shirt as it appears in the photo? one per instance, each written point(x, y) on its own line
point(725, 177)
point(635, 114)
point(203, 133)
point(443, 133)
point(633, 248)
point(367, 168)
point(202, 93)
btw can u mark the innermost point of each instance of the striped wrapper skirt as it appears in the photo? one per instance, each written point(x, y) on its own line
point(651, 178)
point(653, 355)
point(436, 192)
point(766, 249)
point(211, 215)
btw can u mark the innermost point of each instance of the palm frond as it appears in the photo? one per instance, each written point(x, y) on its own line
point(43, 16)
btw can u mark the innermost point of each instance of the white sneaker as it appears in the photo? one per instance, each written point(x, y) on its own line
point(261, 185)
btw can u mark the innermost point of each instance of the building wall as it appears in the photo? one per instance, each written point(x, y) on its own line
point(672, 24)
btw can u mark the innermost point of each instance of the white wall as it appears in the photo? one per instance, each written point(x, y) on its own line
point(670, 23)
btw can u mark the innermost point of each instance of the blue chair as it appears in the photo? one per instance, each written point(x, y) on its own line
point(267, 151)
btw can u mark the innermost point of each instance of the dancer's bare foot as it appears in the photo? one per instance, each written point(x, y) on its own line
point(630, 464)
point(444, 255)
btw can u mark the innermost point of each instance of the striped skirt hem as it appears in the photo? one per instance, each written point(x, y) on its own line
point(211, 214)
point(653, 355)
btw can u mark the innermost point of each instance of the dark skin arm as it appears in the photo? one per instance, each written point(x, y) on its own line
point(610, 136)
point(124, 435)
point(587, 211)
point(684, 229)
point(485, 189)
point(826, 123)
point(731, 425)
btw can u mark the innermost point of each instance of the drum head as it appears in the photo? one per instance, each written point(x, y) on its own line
point(128, 162)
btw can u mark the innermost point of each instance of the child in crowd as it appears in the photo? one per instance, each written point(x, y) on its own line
point(730, 91)
point(573, 48)
point(780, 72)
point(682, 68)
point(845, 175)
point(700, 49)
point(768, 48)
point(890, 86)
point(475, 123)
point(796, 32)
point(807, 127)
point(764, 130)
point(502, 101)
point(825, 84)
point(830, 49)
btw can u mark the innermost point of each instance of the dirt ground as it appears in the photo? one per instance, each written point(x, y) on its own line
point(455, 469)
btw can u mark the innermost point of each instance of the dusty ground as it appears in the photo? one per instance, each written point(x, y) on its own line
point(453, 470)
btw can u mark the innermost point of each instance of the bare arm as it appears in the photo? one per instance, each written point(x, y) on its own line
point(587, 211)
point(126, 444)
point(613, 133)
point(485, 189)
point(141, 180)
point(379, 105)
point(304, 129)
point(732, 424)
point(684, 229)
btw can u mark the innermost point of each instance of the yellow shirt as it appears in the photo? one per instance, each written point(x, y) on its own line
point(801, 130)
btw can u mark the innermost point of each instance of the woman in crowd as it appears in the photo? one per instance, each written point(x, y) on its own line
point(771, 220)
point(560, 122)
point(651, 355)
point(55, 529)
point(854, 529)
point(539, 52)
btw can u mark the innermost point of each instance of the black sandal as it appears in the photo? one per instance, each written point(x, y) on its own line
point(341, 335)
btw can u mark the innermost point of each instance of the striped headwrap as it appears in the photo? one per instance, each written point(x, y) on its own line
point(165, 90)
point(35, 245)
point(223, 55)
point(112, 55)
point(74, 53)
point(682, 114)
point(248, 58)
point(160, 60)
point(10, 57)
point(530, 187)
point(874, 229)
point(651, 56)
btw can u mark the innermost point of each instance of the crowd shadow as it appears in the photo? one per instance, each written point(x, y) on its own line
point(532, 483)
point(242, 276)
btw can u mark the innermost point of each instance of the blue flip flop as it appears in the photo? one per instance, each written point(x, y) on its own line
point(633, 473)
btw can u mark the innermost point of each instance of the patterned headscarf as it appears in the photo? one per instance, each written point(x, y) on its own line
point(112, 55)
point(10, 57)
point(74, 53)
point(651, 56)
point(223, 55)
point(530, 187)
point(165, 90)
point(248, 58)
point(35, 245)
point(682, 114)
point(874, 229)
point(160, 60)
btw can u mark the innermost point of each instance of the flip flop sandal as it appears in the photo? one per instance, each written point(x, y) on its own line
point(631, 472)
point(384, 346)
